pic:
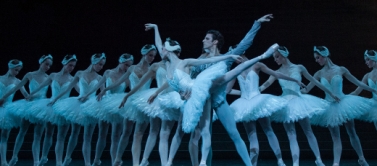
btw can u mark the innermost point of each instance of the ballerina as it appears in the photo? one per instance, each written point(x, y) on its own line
point(133, 76)
point(100, 110)
point(70, 107)
point(163, 110)
point(300, 107)
point(21, 108)
point(7, 122)
point(261, 108)
point(350, 107)
point(180, 81)
point(58, 82)
point(370, 78)
point(212, 44)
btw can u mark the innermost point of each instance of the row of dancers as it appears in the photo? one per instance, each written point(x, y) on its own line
point(187, 92)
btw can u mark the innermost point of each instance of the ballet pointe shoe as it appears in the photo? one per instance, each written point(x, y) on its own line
point(96, 163)
point(4, 164)
point(281, 163)
point(319, 163)
point(335, 164)
point(203, 163)
point(118, 163)
point(67, 161)
point(169, 164)
point(13, 161)
point(43, 161)
point(269, 51)
point(362, 162)
point(144, 163)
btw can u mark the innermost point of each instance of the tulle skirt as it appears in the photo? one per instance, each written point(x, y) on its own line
point(260, 106)
point(23, 109)
point(130, 110)
point(371, 115)
point(299, 107)
point(350, 107)
point(7, 121)
point(105, 109)
point(47, 113)
point(70, 109)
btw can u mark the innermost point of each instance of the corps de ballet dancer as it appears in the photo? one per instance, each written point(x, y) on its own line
point(370, 78)
point(58, 82)
point(133, 76)
point(343, 112)
point(70, 108)
point(300, 107)
point(7, 121)
point(21, 108)
point(100, 110)
point(253, 106)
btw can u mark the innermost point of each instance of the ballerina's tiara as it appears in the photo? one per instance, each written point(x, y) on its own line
point(11, 65)
point(366, 55)
point(285, 52)
point(171, 48)
point(43, 58)
point(147, 48)
point(122, 59)
point(324, 52)
point(97, 60)
point(66, 61)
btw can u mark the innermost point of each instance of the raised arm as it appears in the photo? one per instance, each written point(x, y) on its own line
point(355, 81)
point(197, 62)
point(306, 74)
point(247, 41)
point(267, 84)
point(358, 90)
point(157, 37)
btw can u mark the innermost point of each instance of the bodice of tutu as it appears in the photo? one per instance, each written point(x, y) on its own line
point(118, 89)
point(134, 80)
point(85, 87)
point(4, 89)
point(160, 76)
point(335, 86)
point(290, 87)
point(374, 86)
point(56, 89)
point(181, 81)
point(33, 84)
point(249, 85)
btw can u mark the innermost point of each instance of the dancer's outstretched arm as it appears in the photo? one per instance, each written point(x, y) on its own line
point(158, 91)
point(150, 74)
point(157, 37)
point(197, 62)
point(314, 80)
point(122, 79)
point(24, 80)
point(247, 41)
point(358, 90)
point(267, 84)
point(355, 81)
point(278, 75)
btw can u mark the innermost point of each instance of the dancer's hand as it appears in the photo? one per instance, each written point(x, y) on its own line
point(266, 18)
point(28, 98)
point(335, 97)
point(150, 26)
point(304, 91)
point(302, 85)
point(185, 95)
point(100, 95)
point(237, 58)
point(52, 102)
point(84, 98)
point(123, 102)
point(152, 97)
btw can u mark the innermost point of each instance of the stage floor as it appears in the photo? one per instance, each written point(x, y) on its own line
point(214, 163)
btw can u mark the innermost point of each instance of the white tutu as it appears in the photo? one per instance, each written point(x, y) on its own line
point(130, 110)
point(105, 109)
point(23, 109)
point(165, 106)
point(8, 121)
point(193, 108)
point(350, 107)
point(260, 106)
point(371, 115)
point(299, 106)
point(47, 113)
point(70, 108)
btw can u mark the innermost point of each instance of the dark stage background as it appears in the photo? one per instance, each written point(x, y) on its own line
point(30, 29)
